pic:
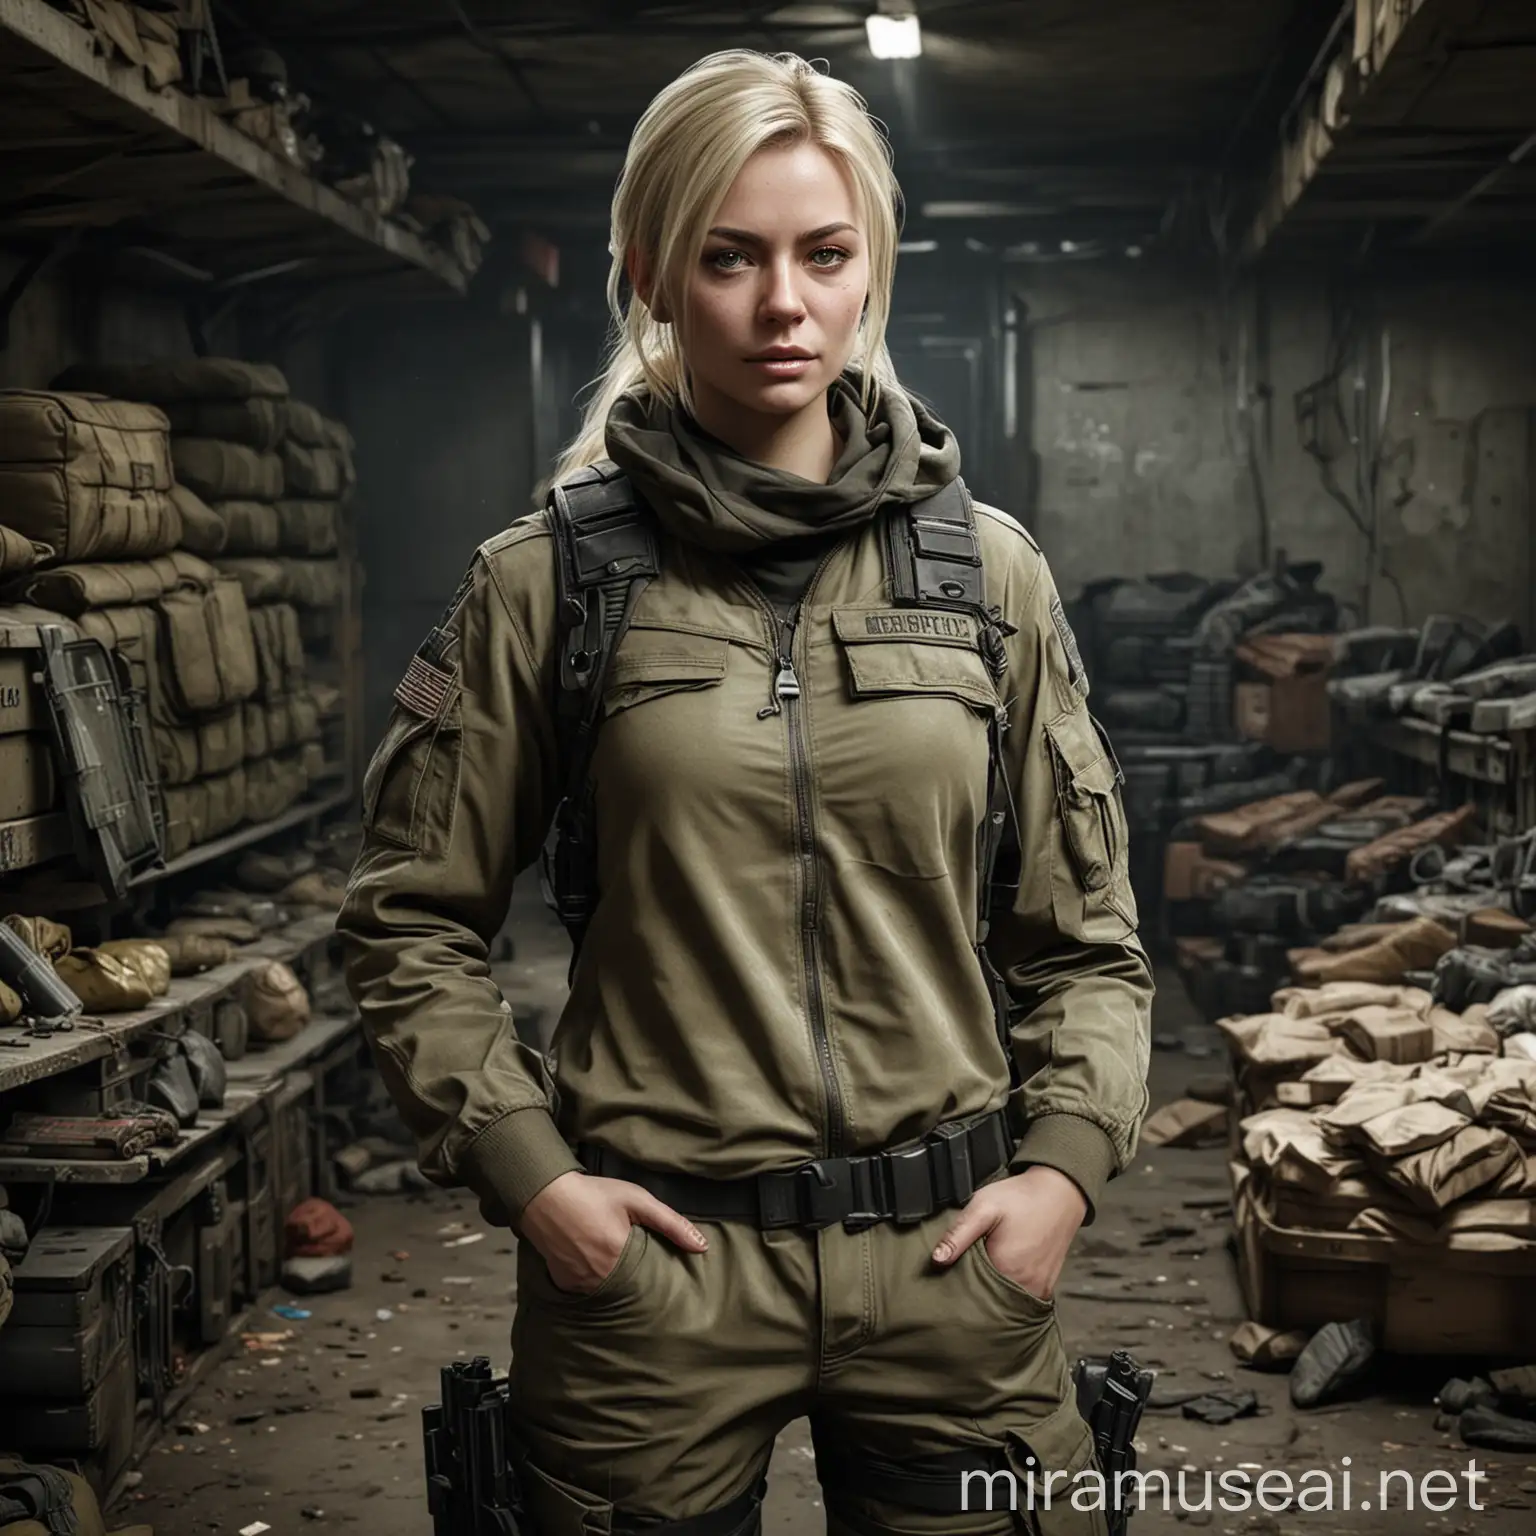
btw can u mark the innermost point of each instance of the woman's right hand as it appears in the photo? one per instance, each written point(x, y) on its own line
point(580, 1222)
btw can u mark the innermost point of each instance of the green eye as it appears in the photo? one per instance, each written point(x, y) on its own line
point(718, 260)
point(838, 256)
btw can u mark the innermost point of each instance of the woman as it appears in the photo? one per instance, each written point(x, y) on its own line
point(781, 972)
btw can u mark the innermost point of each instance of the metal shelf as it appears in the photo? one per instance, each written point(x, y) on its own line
point(89, 144)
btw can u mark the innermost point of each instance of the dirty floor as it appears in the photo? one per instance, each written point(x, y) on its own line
point(315, 1421)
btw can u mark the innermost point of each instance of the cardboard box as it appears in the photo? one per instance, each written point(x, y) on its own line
point(1282, 697)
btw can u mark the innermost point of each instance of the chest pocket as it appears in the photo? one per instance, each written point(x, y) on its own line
point(893, 652)
point(651, 663)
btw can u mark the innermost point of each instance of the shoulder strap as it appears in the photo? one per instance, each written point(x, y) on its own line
point(933, 557)
point(605, 556)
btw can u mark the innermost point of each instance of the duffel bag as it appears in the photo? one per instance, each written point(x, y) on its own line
point(267, 637)
point(260, 422)
point(313, 471)
point(169, 381)
point(177, 754)
point(280, 725)
point(77, 589)
point(252, 527)
point(220, 471)
point(202, 530)
point(291, 646)
point(306, 718)
point(307, 527)
point(306, 425)
point(87, 477)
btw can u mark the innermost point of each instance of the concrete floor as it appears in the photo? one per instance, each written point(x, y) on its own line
point(316, 1422)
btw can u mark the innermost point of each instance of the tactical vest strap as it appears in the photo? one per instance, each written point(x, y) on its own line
point(605, 556)
point(933, 553)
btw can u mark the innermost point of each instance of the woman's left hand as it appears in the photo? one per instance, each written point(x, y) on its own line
point(1028, 1222)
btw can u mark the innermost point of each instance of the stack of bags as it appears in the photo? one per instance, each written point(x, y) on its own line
point(1371, 1109)
point(89, 482)
point(1278, 889)
point(262, 483)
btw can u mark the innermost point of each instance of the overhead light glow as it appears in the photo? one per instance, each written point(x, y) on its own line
point(917, 247)
point(1068, 247)
point(1133, 251)
point(894, 37)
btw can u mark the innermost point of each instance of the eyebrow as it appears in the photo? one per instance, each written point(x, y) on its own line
point(746, 237)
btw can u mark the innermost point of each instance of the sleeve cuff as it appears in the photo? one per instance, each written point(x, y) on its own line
point(512, 1159)
point(1073, 1146)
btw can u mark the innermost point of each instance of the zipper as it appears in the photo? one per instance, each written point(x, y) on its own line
point(786, 702)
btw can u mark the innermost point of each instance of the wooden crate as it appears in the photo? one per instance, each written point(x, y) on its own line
point(1422, 1301)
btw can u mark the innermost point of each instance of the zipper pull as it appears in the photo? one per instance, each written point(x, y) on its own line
point(785, 686)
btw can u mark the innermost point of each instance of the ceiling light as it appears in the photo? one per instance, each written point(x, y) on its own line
point(963, 209)
point(897, 36)
point(1068, 246)
point(1133, 251)
point(917, 247)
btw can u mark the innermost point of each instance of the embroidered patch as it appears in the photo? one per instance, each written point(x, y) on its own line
point(425, 689)
point(1077, 673)
point(855, 624)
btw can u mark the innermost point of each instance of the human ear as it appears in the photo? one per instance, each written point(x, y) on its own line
point(643, 281)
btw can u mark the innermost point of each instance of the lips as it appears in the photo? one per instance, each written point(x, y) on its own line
point(782, 355)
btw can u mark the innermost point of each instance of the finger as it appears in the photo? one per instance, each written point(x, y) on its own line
point(974, 1221)
point(650, 1212)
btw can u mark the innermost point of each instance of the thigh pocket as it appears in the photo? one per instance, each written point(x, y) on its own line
point(1090, 874)
point(1028, 1303)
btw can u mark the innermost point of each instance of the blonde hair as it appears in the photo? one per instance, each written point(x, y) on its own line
point(687, 149)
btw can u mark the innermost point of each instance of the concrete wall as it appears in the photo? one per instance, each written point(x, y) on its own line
point(1143, 450)
point(438, 399)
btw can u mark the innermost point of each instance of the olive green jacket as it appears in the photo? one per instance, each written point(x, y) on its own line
point(780, 965)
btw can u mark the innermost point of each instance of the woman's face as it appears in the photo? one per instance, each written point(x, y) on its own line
point(772, 306)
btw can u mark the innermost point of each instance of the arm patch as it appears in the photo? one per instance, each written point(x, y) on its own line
point(1077, 674)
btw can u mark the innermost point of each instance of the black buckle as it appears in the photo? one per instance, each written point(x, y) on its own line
point(912, 1197)
point(952, 1163)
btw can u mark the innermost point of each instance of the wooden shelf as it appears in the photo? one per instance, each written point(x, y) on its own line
point(25, 1059)
point(243, 837)
point(1487, 759)
point(91, 145)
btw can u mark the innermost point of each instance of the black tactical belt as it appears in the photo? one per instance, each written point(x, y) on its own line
point(902, 1184)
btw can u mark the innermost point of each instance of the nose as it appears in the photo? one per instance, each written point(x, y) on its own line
point(782, 303)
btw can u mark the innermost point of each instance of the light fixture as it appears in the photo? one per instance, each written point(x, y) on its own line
point(917, 247)
point(894, 31)
point(1068, 247)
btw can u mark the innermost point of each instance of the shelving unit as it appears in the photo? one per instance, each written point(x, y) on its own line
point(90, 145)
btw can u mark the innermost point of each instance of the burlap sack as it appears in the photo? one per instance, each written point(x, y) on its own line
point(178, 754)
point(11, 1005)
point(269, 873)
point(148, 958)
point(186, 816)
point(19, 555)
point(291, 643)
point(305, 713)
point(89, 478)
point(312, 583)
point(171, 381)
point(275, 1002)
point(258, 423)
point(190, 954)
point(103, 982)
point(312, 762)
point(237, 930)
point(203, 531)
point(208, 648)
point(221, 742)
point(317, 472)
point(338, 435)
point(257, 742)
point(307, 527)
point(320, 888)
point(262, 578)
point(273, 785)
point(77, 589)
point(254, 527)
point(306, 425)
point(227, 801)
point(41, 935)
point(280, 725)
point(220, 471)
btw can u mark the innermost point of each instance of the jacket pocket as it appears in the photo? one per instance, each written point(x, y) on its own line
point(940, 663)
point(652, 662)
point(411, 785)
point(1093, 824)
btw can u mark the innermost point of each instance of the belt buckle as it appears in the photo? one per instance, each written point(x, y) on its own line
point(864, 1182)
point(828, 1193)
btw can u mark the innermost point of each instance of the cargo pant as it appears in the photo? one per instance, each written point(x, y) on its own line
point(660, 1393)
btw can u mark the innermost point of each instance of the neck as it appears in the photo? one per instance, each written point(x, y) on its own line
point(802, 444)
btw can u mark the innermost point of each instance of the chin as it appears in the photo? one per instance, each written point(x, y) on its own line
point(782, 397)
